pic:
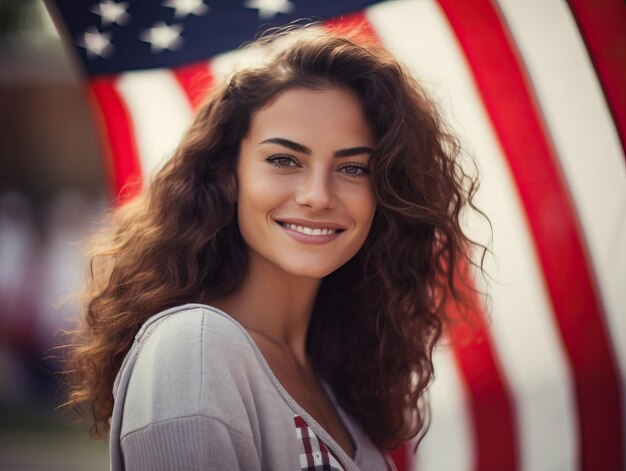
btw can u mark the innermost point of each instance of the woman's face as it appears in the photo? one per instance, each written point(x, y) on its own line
point(304, 191)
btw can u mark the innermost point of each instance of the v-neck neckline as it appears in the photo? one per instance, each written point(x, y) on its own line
point(297, 408)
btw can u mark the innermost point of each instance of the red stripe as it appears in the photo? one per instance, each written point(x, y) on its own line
point(115, 127)
point(508, 100)
point(354, 25)
point(196, 81)
point(491, 410)
point(603, 25)
point(401, 457)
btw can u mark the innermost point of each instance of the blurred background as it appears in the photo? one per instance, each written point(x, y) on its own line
point(51, 184)
point(534, 89)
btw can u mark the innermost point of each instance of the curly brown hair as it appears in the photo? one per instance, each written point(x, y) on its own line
point(376, 319)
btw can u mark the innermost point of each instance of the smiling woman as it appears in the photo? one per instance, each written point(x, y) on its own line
point(305, 201)
point(311, 214)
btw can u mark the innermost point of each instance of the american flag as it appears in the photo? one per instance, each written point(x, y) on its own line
point(537, 91)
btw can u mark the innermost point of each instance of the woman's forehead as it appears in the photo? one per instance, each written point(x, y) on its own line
point(310, 114)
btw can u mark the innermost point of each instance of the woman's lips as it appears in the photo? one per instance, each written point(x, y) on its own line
point(310, 224)
point(310, 238)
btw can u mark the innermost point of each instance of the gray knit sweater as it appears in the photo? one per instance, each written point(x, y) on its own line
point(195, 393)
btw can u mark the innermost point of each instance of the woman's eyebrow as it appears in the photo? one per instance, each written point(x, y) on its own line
point(297, 147)
point(353, 151)
point(289, 144)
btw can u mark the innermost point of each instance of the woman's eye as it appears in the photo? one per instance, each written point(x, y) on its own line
point(355, 170)
point(282, 161)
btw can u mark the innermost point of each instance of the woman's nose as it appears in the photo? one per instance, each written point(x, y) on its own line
point(315, 191)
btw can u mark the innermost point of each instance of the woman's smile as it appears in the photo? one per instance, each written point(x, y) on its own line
point(309, 232)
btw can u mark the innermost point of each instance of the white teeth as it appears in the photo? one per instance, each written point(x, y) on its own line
point(309, 230)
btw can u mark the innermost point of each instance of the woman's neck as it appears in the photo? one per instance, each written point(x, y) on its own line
point(275, 305)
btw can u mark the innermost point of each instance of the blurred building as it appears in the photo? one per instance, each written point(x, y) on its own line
point(51, 184)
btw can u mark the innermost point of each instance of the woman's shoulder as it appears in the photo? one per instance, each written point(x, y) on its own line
point(190, 360)
point(195, 340)
point(189, 325)
point(192, 339)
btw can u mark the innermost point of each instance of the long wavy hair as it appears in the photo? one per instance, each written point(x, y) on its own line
point(375, 320)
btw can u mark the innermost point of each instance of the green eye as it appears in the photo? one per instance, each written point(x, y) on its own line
point(355, 170)
point(282, 161)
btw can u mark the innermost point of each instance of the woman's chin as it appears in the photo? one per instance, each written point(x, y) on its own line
point(309, 270)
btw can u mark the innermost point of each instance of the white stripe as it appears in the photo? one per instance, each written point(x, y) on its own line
point(523, 327)
point(448, 443)
point(160, 114)
point(586, 142)
point(224, 65)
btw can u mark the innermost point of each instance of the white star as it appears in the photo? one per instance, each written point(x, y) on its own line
point(187, 7)
point(112, 12)
point(96, 43)
point(269, 8)
point(162, 36)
